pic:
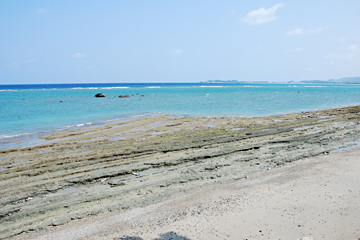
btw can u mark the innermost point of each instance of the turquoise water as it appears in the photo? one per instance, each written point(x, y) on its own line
point(37, 108)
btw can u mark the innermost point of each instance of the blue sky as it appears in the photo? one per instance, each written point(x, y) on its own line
point(178, 41)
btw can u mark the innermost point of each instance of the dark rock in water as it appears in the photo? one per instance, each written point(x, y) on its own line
point(61, 101)
point(143, 95)
point(121, 96)
point(99, 95)
point(124, 96)
point(127, 95)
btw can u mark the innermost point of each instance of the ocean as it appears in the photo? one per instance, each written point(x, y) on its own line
point(42, 108)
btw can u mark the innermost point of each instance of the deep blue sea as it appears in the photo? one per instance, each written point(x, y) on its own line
point(38, 108)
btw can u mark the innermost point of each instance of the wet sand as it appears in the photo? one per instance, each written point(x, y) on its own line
point(131, 166)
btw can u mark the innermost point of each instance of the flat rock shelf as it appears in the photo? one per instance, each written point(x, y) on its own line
point(85, 172)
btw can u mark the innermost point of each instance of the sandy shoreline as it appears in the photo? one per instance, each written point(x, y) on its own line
point(115, 168)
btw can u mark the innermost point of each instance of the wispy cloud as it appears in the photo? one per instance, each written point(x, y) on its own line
point(13, 65)
point(175, 51)
point(354, 47)
point(349, 56)
point(343, 39)
point(79, 55)
point(336, 56)
point(30, 61)
point(298, 49)
point(300, 31)
point(295, 32)
point(262, 15)
point(40, 11)
point(319, 29)
point(91, 66)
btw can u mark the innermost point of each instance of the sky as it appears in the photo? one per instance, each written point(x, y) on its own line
point(86, 41)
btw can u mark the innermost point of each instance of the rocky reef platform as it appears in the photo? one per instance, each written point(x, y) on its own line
point(98, 170)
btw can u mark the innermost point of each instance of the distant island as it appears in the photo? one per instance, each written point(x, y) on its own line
point(345, 80)
point(232, 81)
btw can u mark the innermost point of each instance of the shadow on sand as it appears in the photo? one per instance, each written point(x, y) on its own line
point(165, 236)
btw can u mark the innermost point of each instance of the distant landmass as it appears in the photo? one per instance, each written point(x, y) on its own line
point(232, 81)
point(345, 80)
point(221, 81)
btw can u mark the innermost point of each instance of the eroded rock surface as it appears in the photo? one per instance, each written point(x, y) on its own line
point(89, 171)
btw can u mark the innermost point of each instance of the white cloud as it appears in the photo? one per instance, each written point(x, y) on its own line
point(295, 32)
point(354, 47)
point(319, 29)
point(175, 51)
point(40, 11)
point(342, 39)
point(262, 15)
point(335, 56)
point(347, 60)
point(79, 55)
point(300, 31)
point(347, 57)
point(13, 65)
point(30, 61)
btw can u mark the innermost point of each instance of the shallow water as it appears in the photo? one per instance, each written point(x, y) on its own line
point(38, 108)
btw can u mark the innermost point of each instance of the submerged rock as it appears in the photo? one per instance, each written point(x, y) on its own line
point(99, 95)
